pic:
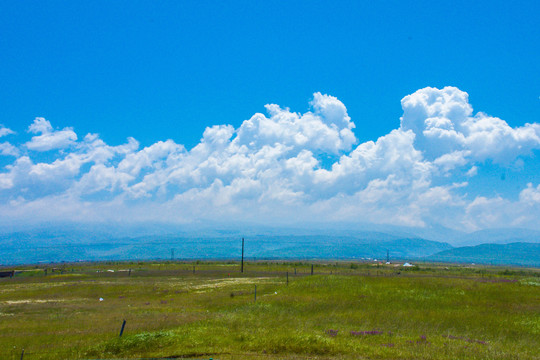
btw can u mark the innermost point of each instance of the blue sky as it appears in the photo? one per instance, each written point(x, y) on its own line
point(168, 70)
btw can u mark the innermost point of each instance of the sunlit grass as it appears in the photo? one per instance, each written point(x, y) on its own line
point(342, 312)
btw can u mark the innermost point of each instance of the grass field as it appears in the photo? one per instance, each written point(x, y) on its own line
point(344, 311)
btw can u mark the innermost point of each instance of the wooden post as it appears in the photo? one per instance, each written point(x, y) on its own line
point(287, 278)
point(255, 293)
point(242, 264)
point(311, 269)
point(129, 273)
point(122, 328)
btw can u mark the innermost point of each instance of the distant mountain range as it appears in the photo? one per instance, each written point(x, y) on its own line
point(90, 243)
point(525, 254)
point(498, 236)
point(34, 250)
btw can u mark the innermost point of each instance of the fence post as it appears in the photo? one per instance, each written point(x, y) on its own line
point(122, 328)
point(311, 269)
point(287, 278)
point(242, 265)
point(255, 293)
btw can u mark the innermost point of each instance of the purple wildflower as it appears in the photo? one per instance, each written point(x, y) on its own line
point(332, 332)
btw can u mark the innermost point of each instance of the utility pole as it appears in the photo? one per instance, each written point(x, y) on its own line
point(242, 264)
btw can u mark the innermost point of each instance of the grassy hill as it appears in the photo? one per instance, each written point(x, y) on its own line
point(519, 253)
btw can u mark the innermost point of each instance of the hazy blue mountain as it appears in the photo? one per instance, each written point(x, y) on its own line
point(498, 236)
point(100, 231)
point(513, 254)
point(69, 242)
point(23, 249)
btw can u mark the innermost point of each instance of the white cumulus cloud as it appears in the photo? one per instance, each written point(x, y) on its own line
point(49, 138)
point(5, 131)
point(8, 149)
point(443, 122)
point(269, 170)
point(327, 128)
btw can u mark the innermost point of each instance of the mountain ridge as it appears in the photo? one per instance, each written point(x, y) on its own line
point(48, 244)
point(518, 253)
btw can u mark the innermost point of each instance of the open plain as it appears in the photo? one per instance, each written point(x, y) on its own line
point(273, 310)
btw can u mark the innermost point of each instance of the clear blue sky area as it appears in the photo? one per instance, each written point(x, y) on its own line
point(167, 69)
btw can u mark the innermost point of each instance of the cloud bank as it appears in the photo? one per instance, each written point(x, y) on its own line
point(275, 169)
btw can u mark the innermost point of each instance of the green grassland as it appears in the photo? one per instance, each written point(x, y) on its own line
point(343, 311)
